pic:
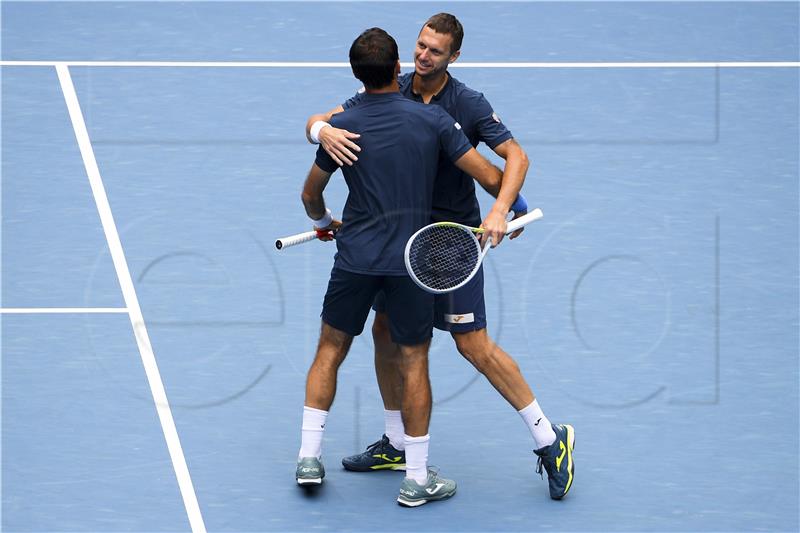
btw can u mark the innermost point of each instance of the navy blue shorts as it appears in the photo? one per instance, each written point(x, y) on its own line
point(458, 312)
point(350, 295)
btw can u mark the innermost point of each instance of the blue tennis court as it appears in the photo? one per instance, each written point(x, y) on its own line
point(155, 344)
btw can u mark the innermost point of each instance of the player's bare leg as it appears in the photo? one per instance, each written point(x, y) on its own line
point(321, 381)
point(420, 485)
point(320, 392)
point(554, 443)
point(503, 373)
point(388, 452)
point(499, 368)
point(388, 362)
point(417, 399)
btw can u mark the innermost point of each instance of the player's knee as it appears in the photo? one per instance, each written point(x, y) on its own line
point(333, 344)
point(380, 329)
point(477, 348)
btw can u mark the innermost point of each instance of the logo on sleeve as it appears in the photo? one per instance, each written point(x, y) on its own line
point(495, 118)
point(458, 126)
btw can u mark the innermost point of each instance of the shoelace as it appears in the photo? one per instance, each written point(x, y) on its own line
point(540, 467)
point(377, 446)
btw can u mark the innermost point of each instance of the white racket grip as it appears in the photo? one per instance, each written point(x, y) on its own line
point(285, 242)
point(517, 223)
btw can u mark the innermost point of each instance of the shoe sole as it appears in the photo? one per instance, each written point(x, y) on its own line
point(570, 462)
point(416, 503)
point(309, 481)
point(356, 468)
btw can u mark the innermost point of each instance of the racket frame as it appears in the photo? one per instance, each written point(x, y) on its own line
point(512, 226)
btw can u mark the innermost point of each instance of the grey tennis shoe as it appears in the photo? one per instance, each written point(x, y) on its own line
point(412, 494)
point(309, 471)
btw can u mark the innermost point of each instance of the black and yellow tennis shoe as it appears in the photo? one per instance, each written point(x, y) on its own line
point(557, 460)
point(380, 455)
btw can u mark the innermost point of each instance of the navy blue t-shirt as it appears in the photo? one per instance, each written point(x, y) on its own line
point(454, 192)
point(391, 184)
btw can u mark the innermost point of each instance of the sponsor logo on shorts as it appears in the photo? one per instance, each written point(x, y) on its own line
point(460, 319)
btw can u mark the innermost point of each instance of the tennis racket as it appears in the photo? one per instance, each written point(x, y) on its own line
point(444, 256)
point(292, 240)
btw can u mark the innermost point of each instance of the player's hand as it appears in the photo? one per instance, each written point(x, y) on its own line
point(517, 233)
point(494, 228)
point(328, 232)
point(339, 145)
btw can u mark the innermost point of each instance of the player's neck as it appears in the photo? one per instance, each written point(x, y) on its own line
point(391, 88)
point(427, 88)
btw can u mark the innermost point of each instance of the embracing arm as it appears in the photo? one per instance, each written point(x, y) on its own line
point(337, 142)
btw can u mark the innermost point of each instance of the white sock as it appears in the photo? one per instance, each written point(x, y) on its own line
point(540, 426)
point(394, 428)
point(417, 458)
point(313, 428)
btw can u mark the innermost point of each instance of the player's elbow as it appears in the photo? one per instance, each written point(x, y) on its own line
point(307, 198)
point(526, 163)
point(521, 157)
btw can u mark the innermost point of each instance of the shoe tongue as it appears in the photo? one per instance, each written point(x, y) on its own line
point(542, 451)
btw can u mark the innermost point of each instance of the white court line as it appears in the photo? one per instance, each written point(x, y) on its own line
point(311, 64)
point(132, 303)
point(61, 310)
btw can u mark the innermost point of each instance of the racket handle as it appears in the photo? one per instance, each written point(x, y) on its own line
point(292, 240)
point(517, 223)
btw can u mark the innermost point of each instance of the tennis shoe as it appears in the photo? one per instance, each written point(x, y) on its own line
point(309, 471)
point(412, 494)
point(380, 455)
point(557, 460)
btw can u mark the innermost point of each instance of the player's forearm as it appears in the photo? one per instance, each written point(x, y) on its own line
point(513, 178)
point(514, 173)
point(491, 181)
point(312, 199)
point(314, 205)
point(485, 173)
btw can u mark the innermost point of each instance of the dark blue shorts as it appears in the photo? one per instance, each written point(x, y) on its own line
point(458, 312)
point(350, 295)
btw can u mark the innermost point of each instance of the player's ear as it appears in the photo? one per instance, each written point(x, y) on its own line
point(397, 68)
point(454, 56)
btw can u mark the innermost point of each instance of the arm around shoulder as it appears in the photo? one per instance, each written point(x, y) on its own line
point(339, 143)
point(320, 117)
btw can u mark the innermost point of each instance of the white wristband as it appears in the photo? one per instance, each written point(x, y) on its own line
point(324, 221)
point(315, 129)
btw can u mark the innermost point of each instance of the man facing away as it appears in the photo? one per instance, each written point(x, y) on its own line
point(390, 195)
point(463, 312)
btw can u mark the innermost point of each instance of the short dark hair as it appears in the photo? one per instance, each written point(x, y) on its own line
point(373, 57)
point(449, 25)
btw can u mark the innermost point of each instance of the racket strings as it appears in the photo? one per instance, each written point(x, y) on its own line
point(442, 257)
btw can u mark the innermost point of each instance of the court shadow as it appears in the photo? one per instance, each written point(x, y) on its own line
point(311, 492)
